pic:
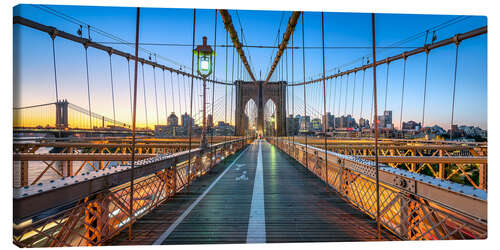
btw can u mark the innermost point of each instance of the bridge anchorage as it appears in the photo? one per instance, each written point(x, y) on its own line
point(157, 152)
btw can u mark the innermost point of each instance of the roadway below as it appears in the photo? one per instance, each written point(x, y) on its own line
point(260, 195)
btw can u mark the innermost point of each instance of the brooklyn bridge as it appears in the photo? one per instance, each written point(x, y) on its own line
point(218, 152)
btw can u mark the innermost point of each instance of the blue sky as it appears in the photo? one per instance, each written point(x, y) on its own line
point(34, 80)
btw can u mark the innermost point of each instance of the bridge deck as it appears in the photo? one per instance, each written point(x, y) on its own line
point(296, 207)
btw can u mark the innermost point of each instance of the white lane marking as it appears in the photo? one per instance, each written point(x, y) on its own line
point(172, 227)
point(257, 222)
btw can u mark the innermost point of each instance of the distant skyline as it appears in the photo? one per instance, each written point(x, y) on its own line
point(34, 79)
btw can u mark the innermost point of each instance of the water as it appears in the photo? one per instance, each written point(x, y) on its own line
point(35, 168)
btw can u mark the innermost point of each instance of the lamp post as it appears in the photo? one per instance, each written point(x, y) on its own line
point(204, 55)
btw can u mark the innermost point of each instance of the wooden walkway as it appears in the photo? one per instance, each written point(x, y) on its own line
point(218, 207)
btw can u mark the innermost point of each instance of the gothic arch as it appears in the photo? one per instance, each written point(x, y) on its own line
point(260, 93)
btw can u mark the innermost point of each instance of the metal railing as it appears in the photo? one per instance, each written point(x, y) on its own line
point(412, 206)
point(91, 208)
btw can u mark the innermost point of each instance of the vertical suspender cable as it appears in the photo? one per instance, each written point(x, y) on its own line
point(130, 88)
point(54, 62)
point(386, 86)
point(112, 88)
point(156, 96)
point(425, 82)
point(131, 201)
point(325, 121)
point(144, 92)
point(402, 93)
point(334, 102)
point(88, 83)
point(173, 95)
point(353, 93)
point(191, 97)
point(287, 97)
point(371, 114)
point(346, 94)
point(293, 100)
point(362, 97)
point(376, 123)
point(340, 94)
point(165, 97)
point(213, 83)
point(454, 88)
point(232, 87)
point(304, 75)
point(184, 90)
point(225, 96)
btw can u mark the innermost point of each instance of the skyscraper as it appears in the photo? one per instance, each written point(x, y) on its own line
point(173, 120)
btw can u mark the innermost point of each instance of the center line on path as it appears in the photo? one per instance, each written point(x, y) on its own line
point(172, 227)
point(257, 222)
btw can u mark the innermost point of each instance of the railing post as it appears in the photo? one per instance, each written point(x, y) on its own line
point(482, 176)
point(441, 167)
point(24, 173)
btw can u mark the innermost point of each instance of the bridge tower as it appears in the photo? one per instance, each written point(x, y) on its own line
point(260, 93)
point(62, 114)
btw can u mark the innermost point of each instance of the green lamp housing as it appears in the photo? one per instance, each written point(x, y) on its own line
point(204, 54)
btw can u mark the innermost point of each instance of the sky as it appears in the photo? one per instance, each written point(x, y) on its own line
point(347, 38)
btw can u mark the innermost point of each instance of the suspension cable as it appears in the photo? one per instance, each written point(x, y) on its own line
point(454, 88)
point(112, 88)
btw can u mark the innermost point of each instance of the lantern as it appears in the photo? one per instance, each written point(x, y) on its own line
point(204, 54)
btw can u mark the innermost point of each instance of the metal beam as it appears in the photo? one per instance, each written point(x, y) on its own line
point(455, 39)
point(228, 23)
point(86, 42)
point(292, 22)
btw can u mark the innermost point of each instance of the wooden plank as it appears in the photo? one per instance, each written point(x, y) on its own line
point(297, 208)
